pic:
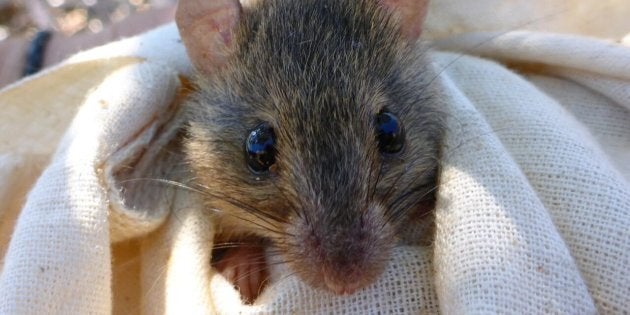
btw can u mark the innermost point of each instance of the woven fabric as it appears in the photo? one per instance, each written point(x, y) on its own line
point(532, 212)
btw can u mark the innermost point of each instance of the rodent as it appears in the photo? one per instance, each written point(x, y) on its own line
point(315, 128)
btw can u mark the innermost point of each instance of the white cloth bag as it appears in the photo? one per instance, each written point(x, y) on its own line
point(532, 216)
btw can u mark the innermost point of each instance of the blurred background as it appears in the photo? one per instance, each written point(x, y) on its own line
point(599, 18)
point(71, 17)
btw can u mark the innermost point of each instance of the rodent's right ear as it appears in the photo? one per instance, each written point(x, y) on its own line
point(410, 15)
point(207, 28)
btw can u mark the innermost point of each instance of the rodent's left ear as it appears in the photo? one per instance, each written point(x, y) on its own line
point(410, 15)
point(207, 28)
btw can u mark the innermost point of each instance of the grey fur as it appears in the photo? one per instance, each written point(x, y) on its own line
point(318, 71)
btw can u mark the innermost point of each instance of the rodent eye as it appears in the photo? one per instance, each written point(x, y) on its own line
point(390, 132)
point(260, 152)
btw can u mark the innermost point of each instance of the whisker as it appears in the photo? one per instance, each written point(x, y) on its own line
point(407, 202)
point(390, 191)
point(263, 215)
point(480, 44)
point(291, 206)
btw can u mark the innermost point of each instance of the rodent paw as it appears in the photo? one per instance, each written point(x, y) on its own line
point(245, 267)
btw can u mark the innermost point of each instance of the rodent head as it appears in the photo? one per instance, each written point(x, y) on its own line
point(314, 125)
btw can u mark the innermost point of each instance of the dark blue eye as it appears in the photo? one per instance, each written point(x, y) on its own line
point(390, 133)
point(260, 152)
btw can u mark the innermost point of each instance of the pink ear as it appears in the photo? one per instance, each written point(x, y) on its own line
point(207, 28)
point(410, 15)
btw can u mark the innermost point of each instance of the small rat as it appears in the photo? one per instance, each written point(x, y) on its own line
point(315, 130)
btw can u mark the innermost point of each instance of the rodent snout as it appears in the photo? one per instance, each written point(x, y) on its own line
point(343, 256)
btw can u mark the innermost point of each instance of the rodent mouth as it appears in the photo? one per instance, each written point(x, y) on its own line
point(336, 286)
point(345, 279)
point(341, 289)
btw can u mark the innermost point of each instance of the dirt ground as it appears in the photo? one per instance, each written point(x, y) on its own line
point(25, 17)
